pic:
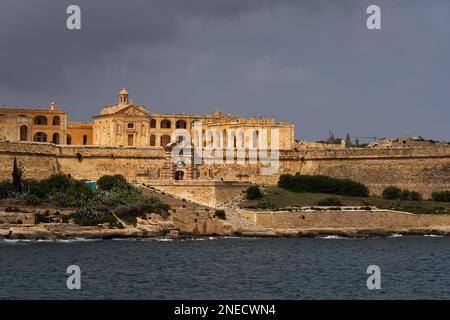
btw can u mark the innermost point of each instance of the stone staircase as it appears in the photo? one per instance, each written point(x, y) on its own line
point(244, 226)
point(239, 224)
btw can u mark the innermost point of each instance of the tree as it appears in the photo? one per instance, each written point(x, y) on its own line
point(17, 177)
point(253, 192)
point(391, 193)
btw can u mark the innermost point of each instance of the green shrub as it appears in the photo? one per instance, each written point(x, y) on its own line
point(129, 214)
point(394, 193)
point(265, 203)
point(220, 214)
point(391, 193)
point(322, 184)
point(414, 196)
point(6, 189)
point(92, 217)
point(17, 176)
point(121, 195)
point(253, 192)
point(332, 201)
point(56, 183)
point(441, 196)
point(74, 193)
point(108, 182)
point(42, 217)
point(34, 187)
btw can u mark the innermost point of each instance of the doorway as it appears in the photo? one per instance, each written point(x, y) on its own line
point(179, 175)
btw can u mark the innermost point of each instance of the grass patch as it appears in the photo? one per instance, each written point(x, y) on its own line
point(281, 198)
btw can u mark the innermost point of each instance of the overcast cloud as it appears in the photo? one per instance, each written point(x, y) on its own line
point(313, 63)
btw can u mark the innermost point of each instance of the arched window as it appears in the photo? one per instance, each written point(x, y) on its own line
point(55, 138)
point(217, 139)
point(23, 133)
point(203, 138)
point(165, 139)
point(198, 138)
point(69, 139)
point(40, 137)
point(153, 123)
point(56, 121)
point(231, 139)
point(240, 140)
point(165, 124)
point(224, 138)
point(152, 140)
point(85, 139)
point(255, 138)
point(179, 175)
point(40, 121)
point(181, 124)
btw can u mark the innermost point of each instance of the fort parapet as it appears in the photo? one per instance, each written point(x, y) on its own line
point(421, 169)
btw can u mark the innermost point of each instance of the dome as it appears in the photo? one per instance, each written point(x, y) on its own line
point(123, 91)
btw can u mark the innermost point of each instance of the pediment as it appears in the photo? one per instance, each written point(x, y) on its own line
point(132, 110)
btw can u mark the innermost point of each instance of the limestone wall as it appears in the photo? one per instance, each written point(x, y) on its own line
point(422, 169)
point(383, 219)
point(209, 193)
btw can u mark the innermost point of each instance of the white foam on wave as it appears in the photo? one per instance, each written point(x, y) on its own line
point(331, 237)
point(433, 235)
point(163, 239)
point(395, 235)
point(13, 241)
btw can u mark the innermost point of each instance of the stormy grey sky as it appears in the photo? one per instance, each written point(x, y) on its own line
point(313, 63)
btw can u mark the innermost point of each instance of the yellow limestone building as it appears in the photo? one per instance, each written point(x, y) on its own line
point(125, 124)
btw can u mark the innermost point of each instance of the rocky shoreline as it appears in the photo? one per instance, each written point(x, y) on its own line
point(65, 232)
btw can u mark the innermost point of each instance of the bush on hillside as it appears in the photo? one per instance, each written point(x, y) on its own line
point(391, 193)
point(92, 217)
point(6, 189)
point(441, 196)
point(33, 200)
point(322, 184)
point(332, 201)
point(253, 192)
point(107, 182)
point(265, 203)
point(34, 187)
point(56, 183)
point(394, 193)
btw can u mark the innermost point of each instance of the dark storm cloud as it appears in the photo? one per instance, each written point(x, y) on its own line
point(310, 62)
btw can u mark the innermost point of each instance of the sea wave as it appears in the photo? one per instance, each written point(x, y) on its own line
point(433, 235)
point(72, 240)
point(14, 241)
point(330, 237)
point(395, 235)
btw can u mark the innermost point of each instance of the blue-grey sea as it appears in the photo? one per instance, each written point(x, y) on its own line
point(412, 267)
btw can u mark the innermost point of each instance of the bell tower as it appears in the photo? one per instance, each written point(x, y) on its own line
point(123, 96)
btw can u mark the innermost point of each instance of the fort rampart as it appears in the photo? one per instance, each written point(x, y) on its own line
point(422, 169)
